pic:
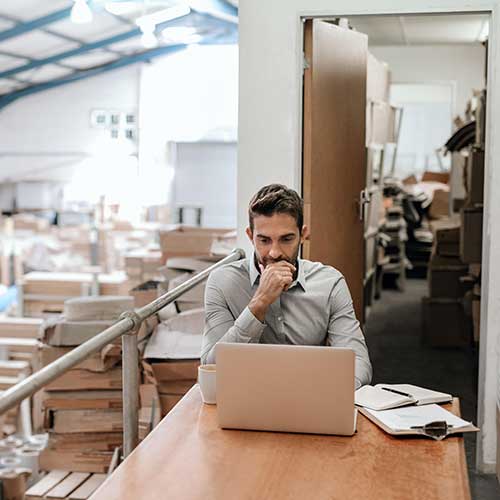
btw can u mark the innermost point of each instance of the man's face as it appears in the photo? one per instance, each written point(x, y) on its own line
point(276, 238)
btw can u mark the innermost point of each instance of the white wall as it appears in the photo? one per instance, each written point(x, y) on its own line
point(44, 133)
point(462, 64)
point(269, 136)
point(188, 96)
point(48, 137)
point(205, 176)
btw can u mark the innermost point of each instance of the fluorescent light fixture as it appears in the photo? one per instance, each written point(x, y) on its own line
point(161, 16)
point(485, 31)
point(80, 12)
point(181, 34)
point(122, 8)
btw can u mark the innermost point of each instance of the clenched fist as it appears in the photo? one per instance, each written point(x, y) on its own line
point(274, 279)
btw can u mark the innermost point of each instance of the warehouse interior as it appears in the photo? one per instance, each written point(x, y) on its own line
point(134, 134)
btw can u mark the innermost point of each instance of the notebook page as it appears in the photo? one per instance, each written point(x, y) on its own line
point(405, 418)
point(419, 393)
point(373, 397)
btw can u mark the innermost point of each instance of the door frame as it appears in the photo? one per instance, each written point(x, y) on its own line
point(490, 339)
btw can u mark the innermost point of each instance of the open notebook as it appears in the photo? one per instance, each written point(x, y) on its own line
point(386, 396)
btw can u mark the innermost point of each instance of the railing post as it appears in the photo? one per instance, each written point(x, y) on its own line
point(130, 381)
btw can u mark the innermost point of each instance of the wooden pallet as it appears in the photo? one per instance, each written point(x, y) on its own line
point(58, 485)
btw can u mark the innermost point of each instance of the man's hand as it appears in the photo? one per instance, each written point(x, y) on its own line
point(274, 279)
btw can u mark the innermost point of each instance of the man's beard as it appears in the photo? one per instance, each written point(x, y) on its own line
point(267, 261)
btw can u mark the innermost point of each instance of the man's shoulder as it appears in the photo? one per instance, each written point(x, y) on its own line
point(229, 272)
point(318, 270)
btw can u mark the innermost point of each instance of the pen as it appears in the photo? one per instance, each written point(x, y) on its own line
point(397, 392)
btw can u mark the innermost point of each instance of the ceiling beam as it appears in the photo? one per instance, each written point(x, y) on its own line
point(57, 34)
point(39, 22)
point(145, 56)
point(80, 75)
point(87, 47)
point(220, 9)
point(105, 42)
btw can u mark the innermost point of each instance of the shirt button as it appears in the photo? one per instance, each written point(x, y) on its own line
point(280, 318)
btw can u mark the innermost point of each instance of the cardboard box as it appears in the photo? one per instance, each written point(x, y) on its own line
point(87, 380)
point(446, 237)
point(471, 235)
point(145, 293)
point(82, 400)
point(168, 401)
point(444, 277)
point(440, 205)
point(175, 387)
point(75, 461)
point(82, 421)
point(445, 323)
point(28, 328)
point(443, 177)
point(184, 241)
point(475, 177)
point(173, 370)
point(100, 361)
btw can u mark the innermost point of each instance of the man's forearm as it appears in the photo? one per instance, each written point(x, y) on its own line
point(246, 329)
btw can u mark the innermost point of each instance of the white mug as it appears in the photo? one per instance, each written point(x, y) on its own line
point(206, 379)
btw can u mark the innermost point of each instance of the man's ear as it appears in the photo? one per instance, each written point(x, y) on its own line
point(249, 233)
point(304, 235)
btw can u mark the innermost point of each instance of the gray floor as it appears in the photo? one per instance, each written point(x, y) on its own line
point(398, 356)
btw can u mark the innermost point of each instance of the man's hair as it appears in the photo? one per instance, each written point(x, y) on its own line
point(276, 199)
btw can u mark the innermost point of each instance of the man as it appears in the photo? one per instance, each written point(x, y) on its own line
point(275, 298)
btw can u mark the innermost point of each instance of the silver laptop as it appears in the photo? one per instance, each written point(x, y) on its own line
point(285, 388)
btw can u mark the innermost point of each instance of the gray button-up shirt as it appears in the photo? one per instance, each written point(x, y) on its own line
point(316, 310)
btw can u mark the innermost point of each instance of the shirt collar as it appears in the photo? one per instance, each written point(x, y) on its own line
point(255, 274)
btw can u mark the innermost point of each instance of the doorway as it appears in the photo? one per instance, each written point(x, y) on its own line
point(382, 218)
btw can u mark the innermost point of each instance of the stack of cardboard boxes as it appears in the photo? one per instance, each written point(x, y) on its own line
point(446, 323)
point(452, 311)
point(18, 348)
point(184, 241)
point(44, 293)
point(82, 409)
point(471, 229)
point(142, 265)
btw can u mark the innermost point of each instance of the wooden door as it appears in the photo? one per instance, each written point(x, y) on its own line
point(334, 154)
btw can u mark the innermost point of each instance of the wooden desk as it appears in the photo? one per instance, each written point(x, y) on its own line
point(188, 457)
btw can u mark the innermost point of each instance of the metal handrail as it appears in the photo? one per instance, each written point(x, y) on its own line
point(126, 327)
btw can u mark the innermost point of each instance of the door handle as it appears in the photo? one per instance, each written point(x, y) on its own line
point(364, 199)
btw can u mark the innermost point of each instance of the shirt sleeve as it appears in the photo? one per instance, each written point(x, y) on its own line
point(221, 326)
point(344, 331)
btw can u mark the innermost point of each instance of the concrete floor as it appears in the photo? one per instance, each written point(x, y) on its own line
point(393, 336)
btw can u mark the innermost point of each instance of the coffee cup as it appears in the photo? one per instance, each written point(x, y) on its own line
point(206, 379)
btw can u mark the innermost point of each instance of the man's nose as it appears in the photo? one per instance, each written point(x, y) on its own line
point(275, 251)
